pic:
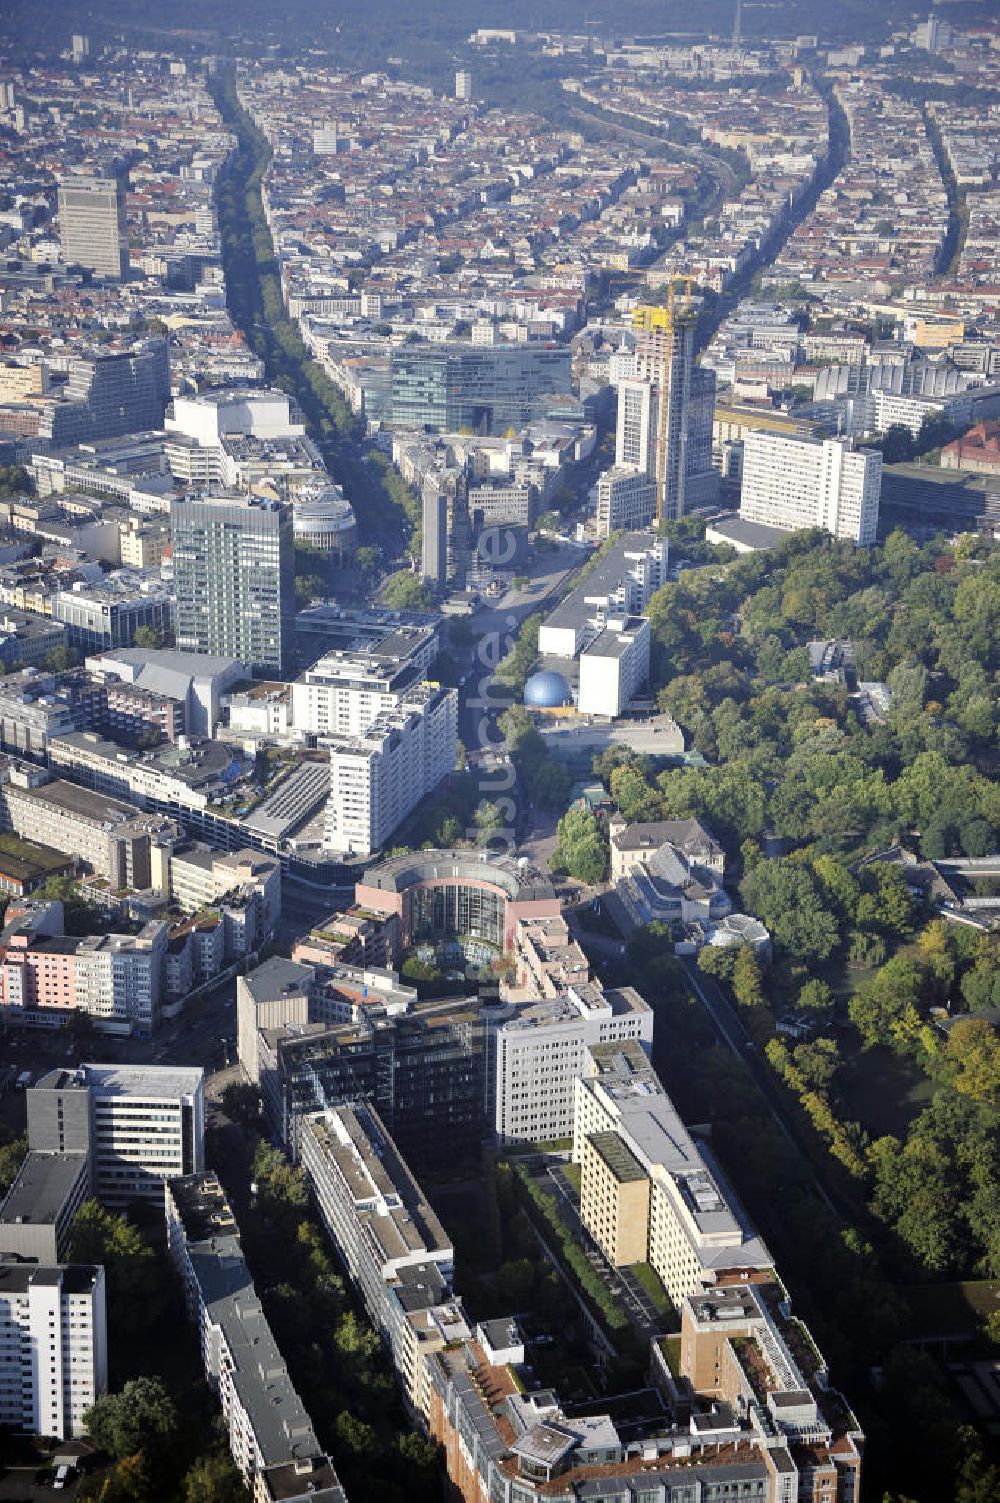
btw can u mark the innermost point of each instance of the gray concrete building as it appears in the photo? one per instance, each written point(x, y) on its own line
point(234, 578)
point(38, 1209)
point(271, 1437)
point(92, 225)
point(392, 1243)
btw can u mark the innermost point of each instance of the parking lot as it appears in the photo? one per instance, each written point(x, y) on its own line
point(33, 1482)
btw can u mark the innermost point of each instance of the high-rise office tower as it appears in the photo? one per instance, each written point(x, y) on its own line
point(234, 578)
point(679, 407)
point(80, 47)
point(434, 534)
point(635, 446)
point(463, 84)
point(92, 225)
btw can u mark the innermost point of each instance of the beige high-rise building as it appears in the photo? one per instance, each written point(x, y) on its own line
point(614, 1198)
point(92, 225)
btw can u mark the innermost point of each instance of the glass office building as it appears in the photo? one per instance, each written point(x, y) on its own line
point(484, 390)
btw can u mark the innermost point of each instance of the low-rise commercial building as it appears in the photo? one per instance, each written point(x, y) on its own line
point(36, 707)
point(389, 1238)
point(97, 617)
point(198, 876)
point(27, 639)
point(196, 681)
point(741, 1347)
point(435, 895)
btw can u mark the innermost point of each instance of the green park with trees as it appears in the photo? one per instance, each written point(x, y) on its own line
point(873, 1020)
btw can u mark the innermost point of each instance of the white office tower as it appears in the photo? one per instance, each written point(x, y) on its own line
point(626, 494)
point(53, 1346)
point(792, 483)
point(635, 439)
point(542, 1049)
point(92, 228)
point(81, 47)
point(463, 84)
point(378, 777)
point(139, 1124)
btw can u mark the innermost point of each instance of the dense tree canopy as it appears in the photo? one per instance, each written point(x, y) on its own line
point(582, 848)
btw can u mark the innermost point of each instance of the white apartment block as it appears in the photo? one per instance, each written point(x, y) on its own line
point(345, 691)
point(635, 438)
point(389, 1238)
point(119, 977)
point(694, 1234)
point(140, 1124)
point(792, 483)
point(626, 500)
point(379, 776)
point(541, 1051)
point(614, 666)
point(53, 1346)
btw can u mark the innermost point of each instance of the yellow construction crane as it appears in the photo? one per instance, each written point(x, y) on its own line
point(649, 316)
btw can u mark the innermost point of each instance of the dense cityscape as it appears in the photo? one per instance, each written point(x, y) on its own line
point(499, 817)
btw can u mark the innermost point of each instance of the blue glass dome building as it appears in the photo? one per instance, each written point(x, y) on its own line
point(547, 691)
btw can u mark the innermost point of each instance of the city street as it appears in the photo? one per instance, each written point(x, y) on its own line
point(204, 1034)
